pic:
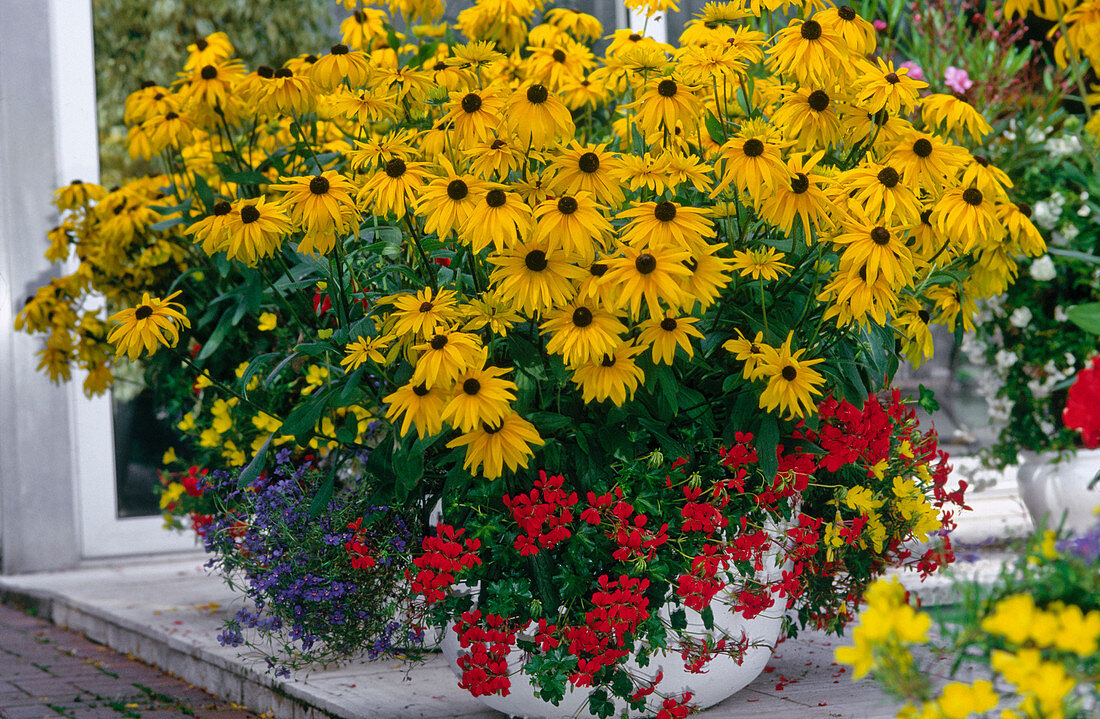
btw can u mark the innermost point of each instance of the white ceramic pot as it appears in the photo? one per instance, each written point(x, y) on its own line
point(1053, 490)
point(722, 679)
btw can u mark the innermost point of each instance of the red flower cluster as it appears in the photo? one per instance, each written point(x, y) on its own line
point(443, 559)
point(619, 607)
point(542, 514)
point(485, 665)
point(1082, 411)
point(356, 547)
point(698, 588)
point(703, 517)
point(676, 708)
point(738, 459)
point(193, 482)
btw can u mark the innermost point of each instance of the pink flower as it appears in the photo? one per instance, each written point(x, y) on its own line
point(915, 71)
point(957, 79)
point(1083, 405)
point(880, 26)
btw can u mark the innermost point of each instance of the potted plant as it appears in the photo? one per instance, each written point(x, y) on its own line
point(441, 267)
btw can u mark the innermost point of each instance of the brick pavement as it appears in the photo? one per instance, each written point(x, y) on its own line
point(46, 671)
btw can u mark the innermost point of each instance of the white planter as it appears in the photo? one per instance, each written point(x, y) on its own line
point(722, 679)
point(1054, 490)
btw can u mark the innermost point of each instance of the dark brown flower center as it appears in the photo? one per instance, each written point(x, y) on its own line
point(608, 361)
point(880, 118)
point(558, 55)
point(471, 103)
point(818, 101)
point(249, 214)
point(1024, 208)
point(283, 72)
point(789, 373)
point(265, 71)
point(222, 208)
point(426, 306)
point(811, 30)
point(202, 44)
point(567, 205)
point(147, 84)
point(645, 263)
point(845, 12)
point(438, 342)
point(889, 177)
point(923, 315)
point(209, 72)
point(339, 49)
point(665, 211)
point(457, 190)
point(598, 269)
point(495, 198)
point(420, 390)
point(170, 116)
point(634, 37)
point(309, 59)
point(800, 183)
point(589, 162)
point(318, 185)
point(492, 428)
point(360, 17)
point(471, 386)
point(143, 312)
point(668, 324)
point(582, 317)
point(396, 167)
point(439, 66)
point(892, 78)
point(535, 260)
point(922, 147)
point(981, 160)
point(537, 94)
point(972, 196)
point(880, 236)
point(666, 88)
point(497, 144)
point(753, 147)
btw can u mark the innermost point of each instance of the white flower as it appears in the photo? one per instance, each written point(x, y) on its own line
point(1005, 359)
point(1084, 211)
point(1036, 134)
point(1046, 426)
point(1000, 409)
point(1060, 314)
point(1071, 361)
point(1021, 317)
point(1069, 231)
point(1042, 269)
point(1046, 213)
point(1060, 147)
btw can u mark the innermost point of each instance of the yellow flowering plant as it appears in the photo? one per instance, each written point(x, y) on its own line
point(1036, 629)
point(442, 261)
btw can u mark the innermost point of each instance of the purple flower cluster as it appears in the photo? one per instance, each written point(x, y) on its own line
point(1083, 546)
point(296, 570)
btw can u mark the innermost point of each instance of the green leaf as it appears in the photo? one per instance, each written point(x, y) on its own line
point(324, 493)
point(279, 368)
point(165, 224)
point(708, 617)
point(203, 191)
point(678, 619)
point(248, 178)
point(927, 399)
point(225, 324)
point(252, 469)
point(255, 364)
point(303, 419)
point(1086, 316)
point(1074, 255)
point(766, 440)
point(715, 129)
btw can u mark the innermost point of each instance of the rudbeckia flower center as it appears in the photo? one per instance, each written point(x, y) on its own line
point(645, 263)
point(818, 101)
point(420, 390)
point(471, 386)
point(668, 324)
point(425, 306)
point(608, 361)
point(567, 205)
point(924, 316)
point(665, 211)
point(880, 118)
point(972, 196)
point(589, 162)
point(497, 144)
point(318, 185)
point(208, 72)
point(799, 183)
point(201, 43)
point(340, 49)
point(811, 29)
point(147, 83)
point(440, 66)
point(582, 317)
point(438, 342)
point(922, 148)
point(222, 208)
point(265, 72)
point(1024, 208)
point(395, 168)
point(892, 78)
point(360, 17)
point(457, 190)
point(889, 177)
point(598, 269)
point(143, 312)
point(310, 59)
point(981, 160)
point(753, 147)
point(880, 235)
point(789, 373)
point(845, 12)
point(283, 72)
point(249, 214)
point(634, 37)
point(495, 198)
point(537, 94)
point(666, 88)
point(559, 56)
point(691, 263)
point(926, 217)
point(471, 103)
point(492, 429)
point(535, 260)
point(170, 116)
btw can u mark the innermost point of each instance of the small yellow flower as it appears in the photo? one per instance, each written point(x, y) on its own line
point(315, 377)
point(169, 456)
point(268, 322)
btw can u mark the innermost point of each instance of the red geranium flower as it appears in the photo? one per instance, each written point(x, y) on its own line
point(1082, 410)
